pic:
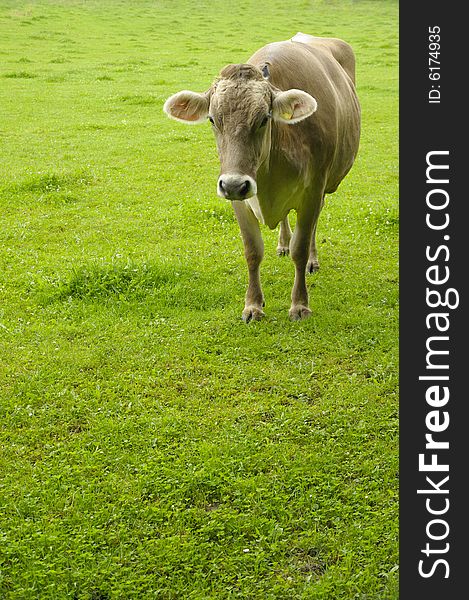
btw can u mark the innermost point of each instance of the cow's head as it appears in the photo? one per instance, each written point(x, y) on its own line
point(241, 105)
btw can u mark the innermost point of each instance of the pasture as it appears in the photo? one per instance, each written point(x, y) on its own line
point(153, 445)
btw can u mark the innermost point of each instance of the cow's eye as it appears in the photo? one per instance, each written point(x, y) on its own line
point(211, 120)
point(264, 121)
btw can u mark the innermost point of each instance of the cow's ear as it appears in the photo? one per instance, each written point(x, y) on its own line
point(293, 106)
point(187, 107)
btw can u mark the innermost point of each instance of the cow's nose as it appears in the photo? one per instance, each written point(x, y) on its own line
point(233, 186)
point(234, 189)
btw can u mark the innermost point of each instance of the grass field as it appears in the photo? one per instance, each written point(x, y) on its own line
point(153, 445)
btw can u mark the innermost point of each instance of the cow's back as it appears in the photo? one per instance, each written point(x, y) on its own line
point(325, 68)
point(340, 50)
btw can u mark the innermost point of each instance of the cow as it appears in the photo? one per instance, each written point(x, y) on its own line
point(287, 129)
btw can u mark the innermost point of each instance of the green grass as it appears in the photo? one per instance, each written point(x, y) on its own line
point(154, 446)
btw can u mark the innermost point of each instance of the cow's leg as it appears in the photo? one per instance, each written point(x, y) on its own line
point(253, 251)
point(300, 251)
point(284, 237)
point(313, 262)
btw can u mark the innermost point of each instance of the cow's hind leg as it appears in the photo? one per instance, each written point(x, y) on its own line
point(283, 247)
point(254, 252)
point(313, 262)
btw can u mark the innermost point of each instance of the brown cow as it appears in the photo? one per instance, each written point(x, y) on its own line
point(287, 127)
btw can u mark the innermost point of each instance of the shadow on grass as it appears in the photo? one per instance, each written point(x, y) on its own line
point(44, 183)
point(169, 284)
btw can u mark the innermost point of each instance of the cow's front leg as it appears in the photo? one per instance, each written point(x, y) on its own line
point(254, 252)
point(300, 252)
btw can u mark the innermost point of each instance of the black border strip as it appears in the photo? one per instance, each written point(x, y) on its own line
point(433, 256)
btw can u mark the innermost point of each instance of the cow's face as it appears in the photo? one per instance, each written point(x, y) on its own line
point(240, 114)
point(241, 106)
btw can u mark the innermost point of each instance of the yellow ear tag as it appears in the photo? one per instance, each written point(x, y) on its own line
point(287, 116)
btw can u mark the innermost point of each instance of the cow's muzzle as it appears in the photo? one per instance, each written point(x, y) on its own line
point(235, 186)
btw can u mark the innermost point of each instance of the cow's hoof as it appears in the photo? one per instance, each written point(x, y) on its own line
point(299, 312)
point(283, 250)
point(252, 313)
point(312, 266)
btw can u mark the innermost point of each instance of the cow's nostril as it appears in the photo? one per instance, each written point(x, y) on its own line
point(245, 186)
point(221, 185)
